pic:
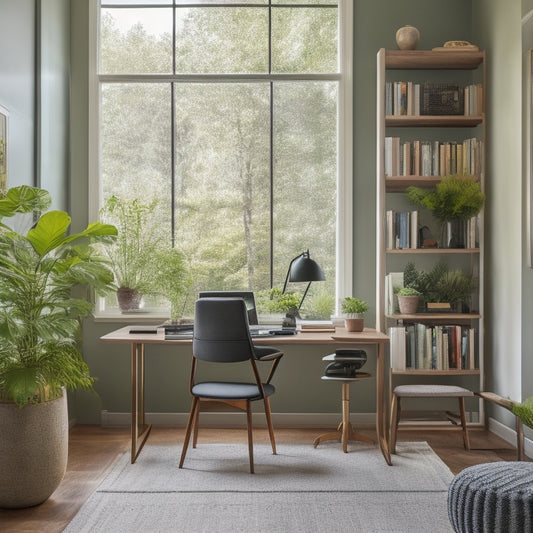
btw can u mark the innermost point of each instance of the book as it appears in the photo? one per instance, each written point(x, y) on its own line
point(397, 347)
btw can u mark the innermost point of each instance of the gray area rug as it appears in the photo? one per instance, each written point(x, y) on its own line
point(301, 489)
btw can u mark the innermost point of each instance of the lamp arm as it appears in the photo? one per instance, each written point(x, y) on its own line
point(288, 273)
point(305, 293)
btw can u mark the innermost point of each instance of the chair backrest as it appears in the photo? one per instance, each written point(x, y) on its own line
point(221, 330)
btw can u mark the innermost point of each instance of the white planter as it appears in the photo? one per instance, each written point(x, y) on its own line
point(33, 451)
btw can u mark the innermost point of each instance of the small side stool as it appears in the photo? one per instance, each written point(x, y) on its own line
point(492, 497)
point(345, 431)
point(427, 391)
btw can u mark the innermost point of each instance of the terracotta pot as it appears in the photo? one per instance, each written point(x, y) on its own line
point(408, 304)
point(33, 451)
point(354, 324)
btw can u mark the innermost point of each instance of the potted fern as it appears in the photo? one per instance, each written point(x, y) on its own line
point(354, 310)
point(141, 258)
point(39, 339)
point(454, 201)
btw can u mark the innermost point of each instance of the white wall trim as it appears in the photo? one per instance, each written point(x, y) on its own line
point(509, 435)
point(238, 420)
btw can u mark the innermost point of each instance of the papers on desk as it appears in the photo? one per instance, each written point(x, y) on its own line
point(142, 330)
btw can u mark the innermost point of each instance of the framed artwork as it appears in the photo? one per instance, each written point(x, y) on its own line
point(4, 116)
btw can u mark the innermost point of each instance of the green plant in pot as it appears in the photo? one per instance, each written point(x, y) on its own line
point(39, 335)
point(354, 310)
point(408, 299)
point(141, 258)
point(441, 285)
point(454, 201)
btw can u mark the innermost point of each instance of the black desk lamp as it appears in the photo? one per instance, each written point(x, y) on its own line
point(301, 268)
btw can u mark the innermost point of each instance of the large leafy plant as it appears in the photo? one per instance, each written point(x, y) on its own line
point(39, 314)
point(454, 198)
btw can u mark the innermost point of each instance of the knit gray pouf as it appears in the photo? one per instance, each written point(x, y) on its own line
point(492, 498)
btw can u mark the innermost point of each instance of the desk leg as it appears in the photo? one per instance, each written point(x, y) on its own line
point(139, 429)
point(382, 409)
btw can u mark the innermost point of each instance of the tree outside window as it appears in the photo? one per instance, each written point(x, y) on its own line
point(227, 117)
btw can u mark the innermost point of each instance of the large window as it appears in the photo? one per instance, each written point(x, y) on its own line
point(230, 117)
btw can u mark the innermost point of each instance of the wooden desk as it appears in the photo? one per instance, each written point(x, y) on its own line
point(140, 430)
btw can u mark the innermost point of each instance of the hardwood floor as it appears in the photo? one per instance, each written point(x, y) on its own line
point(93, 451)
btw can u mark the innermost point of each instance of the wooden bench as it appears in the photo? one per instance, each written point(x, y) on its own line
point(508, 404)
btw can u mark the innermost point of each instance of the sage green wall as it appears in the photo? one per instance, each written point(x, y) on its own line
point(299, 386)
point(17, 72)
point(498, 31)
point(527, 278)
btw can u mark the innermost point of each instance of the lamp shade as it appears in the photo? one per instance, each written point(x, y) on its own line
point(304, 268)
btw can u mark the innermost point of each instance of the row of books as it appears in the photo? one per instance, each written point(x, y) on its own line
point(433, 158)
point(414, 99)
point(432, 347)
point(403, 231)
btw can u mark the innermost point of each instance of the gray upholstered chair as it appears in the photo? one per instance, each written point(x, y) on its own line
point(222, 335)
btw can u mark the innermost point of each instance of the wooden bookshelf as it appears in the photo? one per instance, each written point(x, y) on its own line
point(426, 128)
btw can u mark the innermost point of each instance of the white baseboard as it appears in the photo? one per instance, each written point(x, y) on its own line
point(509, 435)
point(238, 420)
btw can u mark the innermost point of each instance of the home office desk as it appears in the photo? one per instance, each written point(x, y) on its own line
point(138, 341)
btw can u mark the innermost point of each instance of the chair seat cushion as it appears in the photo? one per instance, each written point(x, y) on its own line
point(230, 391)
point(428, 391)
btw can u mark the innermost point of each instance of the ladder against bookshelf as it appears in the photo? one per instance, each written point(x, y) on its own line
point(403, 78)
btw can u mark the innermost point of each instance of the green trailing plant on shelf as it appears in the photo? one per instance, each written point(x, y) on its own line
point(454, 198)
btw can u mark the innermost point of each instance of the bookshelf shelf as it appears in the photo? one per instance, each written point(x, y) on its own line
point(428, 59)
point(400, 183)
point(449, 372)
point(432, 317)
point(442, 341)
point(442, 121)
point(433, 251)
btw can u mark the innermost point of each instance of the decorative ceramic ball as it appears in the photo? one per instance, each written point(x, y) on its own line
point(407, 37)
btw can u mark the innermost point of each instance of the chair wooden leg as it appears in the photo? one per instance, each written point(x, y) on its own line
point(394, 422)
point(250, 436)
point(192, 416)
point(196, 425)
point(268, 414)
point(466, 439)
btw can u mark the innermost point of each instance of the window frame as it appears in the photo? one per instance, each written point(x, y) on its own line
point(344, 219)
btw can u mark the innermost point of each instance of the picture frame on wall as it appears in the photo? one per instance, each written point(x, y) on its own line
point(4, 118)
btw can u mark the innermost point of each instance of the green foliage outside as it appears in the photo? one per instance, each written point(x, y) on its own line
point(39, 314)
point(217, 211)
point(455, 197)
point(141, 258)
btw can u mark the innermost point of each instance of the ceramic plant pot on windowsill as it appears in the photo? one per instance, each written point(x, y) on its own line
point(354, 322)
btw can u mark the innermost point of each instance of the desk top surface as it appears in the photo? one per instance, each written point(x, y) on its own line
point(341, 336)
